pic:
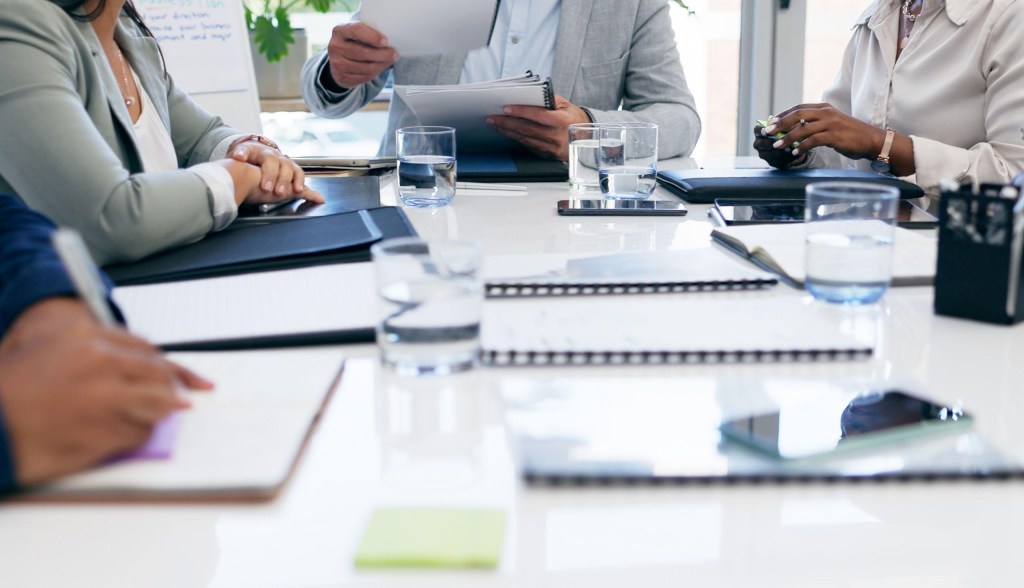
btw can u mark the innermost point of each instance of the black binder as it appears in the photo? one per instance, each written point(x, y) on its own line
point(319, 240)
point(703, 186)
point(509, 166)
point(341, 194)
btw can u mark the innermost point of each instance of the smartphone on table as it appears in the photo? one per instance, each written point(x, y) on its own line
point(601, 207)
point(812, 430)
point(757, 212)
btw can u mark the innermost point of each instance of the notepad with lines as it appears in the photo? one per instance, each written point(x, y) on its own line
point(697, 270)
point(738, 327)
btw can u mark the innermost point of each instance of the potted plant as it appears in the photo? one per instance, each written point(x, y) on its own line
point(278, 49)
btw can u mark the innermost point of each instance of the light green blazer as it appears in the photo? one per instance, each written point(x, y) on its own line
point(67, 147)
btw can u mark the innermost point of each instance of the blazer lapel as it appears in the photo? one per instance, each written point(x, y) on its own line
point(572, 28)
point(141, 53)
point(110, 86)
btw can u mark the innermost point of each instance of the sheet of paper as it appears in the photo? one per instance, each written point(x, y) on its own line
point(432, 538)
point(431, 28)
point(240, 438)
point(306, 300)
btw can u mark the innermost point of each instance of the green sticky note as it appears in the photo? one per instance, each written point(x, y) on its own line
point(432, 538)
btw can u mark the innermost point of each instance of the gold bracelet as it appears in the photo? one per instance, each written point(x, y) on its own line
point(254, 138)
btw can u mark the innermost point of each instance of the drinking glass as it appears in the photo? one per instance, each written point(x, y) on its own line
point(426, 166)
point(430, 299)
point(584, 141)
point(849, 240)
point(628, 160)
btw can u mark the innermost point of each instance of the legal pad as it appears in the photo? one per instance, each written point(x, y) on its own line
point(238, 441)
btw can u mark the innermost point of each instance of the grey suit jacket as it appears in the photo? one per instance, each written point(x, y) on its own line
point(610, 54)
point(66, 142)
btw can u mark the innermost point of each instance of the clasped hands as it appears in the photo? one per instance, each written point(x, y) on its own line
point(815, 125)
point(279, 178)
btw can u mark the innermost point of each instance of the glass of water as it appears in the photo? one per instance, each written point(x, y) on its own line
point(430, 298)
point(426, 165)
point(584, 140)
point(849, 240)
point(628, 160)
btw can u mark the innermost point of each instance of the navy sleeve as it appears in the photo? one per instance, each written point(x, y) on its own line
point(30, 271)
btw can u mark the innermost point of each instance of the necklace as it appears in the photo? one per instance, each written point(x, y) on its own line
point(127, 90)
point(908, 23)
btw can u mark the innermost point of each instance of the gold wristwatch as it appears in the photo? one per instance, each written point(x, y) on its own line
point(881, 163)
point(255, 138)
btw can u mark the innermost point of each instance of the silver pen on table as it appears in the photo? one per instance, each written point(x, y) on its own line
point(84, 274)
point(487, 186)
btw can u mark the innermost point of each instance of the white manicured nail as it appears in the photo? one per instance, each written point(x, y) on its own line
point(770, 129)
point(777, 144)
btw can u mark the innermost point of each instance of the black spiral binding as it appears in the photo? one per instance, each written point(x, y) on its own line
point(510, 358)
point(526, 289)
point(549, 95)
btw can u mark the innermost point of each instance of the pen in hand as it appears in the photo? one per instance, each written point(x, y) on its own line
point(84, 275)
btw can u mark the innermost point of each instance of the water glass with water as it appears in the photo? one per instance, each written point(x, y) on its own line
point(426, 165)
point(849, 240)
point(628, 160)
point(430, 299)
point(584, 140)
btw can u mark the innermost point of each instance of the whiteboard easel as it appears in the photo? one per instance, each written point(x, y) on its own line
point(206, 46)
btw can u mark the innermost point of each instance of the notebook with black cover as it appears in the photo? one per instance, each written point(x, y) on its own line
point(342, 194)
point(337, 238)
point(665, 430)
point(509, 166)
point(703, 186)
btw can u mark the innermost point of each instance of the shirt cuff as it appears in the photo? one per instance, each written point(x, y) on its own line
point(8, 481)
point(937, 161)
point(222, 192)
point(221, 150)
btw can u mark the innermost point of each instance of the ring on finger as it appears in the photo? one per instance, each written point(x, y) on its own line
point(803, 123)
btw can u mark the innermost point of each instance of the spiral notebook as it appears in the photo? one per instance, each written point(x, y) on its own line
point(697, 270)
point(658, 430)
point(736, 327)
point(467, 106)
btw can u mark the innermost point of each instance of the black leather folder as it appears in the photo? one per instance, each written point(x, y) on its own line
point(336, 238)
point(511, 166)
point(703, 186)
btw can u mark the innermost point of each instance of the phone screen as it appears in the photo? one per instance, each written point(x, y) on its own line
point(812, 429)
point(620, 207)
point(751, 212)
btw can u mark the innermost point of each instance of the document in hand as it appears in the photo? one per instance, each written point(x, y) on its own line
point(432, 28)
point(780, 249)
point(238, 441)
point(466, 107)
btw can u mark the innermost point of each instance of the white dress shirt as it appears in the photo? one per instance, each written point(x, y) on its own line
point(157, 152)
point(523, 39)
point(957, 89)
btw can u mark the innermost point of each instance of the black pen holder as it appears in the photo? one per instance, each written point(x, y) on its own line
point(981, 236)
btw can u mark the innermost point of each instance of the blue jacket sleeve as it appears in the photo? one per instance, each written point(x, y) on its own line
point(30, 271)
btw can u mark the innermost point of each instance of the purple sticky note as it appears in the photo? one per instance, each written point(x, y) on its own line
point(161, 442)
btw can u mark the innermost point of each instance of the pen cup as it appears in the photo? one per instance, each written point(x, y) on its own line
point(426, 166)
point(430, 299)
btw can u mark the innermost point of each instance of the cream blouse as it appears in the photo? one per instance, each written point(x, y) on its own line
point(957, 89)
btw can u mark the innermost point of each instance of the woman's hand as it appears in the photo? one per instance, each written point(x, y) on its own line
point(280, 177)
point(777, 158)
point(822, 125)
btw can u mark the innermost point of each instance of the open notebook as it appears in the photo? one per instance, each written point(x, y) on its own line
point(239, 441)
point(736, 327)
point(593, 430)
point(779, 248)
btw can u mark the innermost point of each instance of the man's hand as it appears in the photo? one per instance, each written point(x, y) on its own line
point(44, 320)
point(73, 398)
point(358, 53)
point(543, 131)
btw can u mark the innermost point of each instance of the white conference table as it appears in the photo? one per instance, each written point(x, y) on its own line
point(387, 441)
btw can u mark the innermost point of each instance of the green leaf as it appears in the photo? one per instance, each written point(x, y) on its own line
point(684, 6)
point(319, 5)
point(272, 39)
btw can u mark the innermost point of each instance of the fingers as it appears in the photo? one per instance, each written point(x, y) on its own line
point(146, 404)
point(313, 196)
point(190, 379)
point(269, 169)
point(358, 53)
point(535, 136)
point(535, 114)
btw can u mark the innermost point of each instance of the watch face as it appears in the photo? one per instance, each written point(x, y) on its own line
point(880, 167)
